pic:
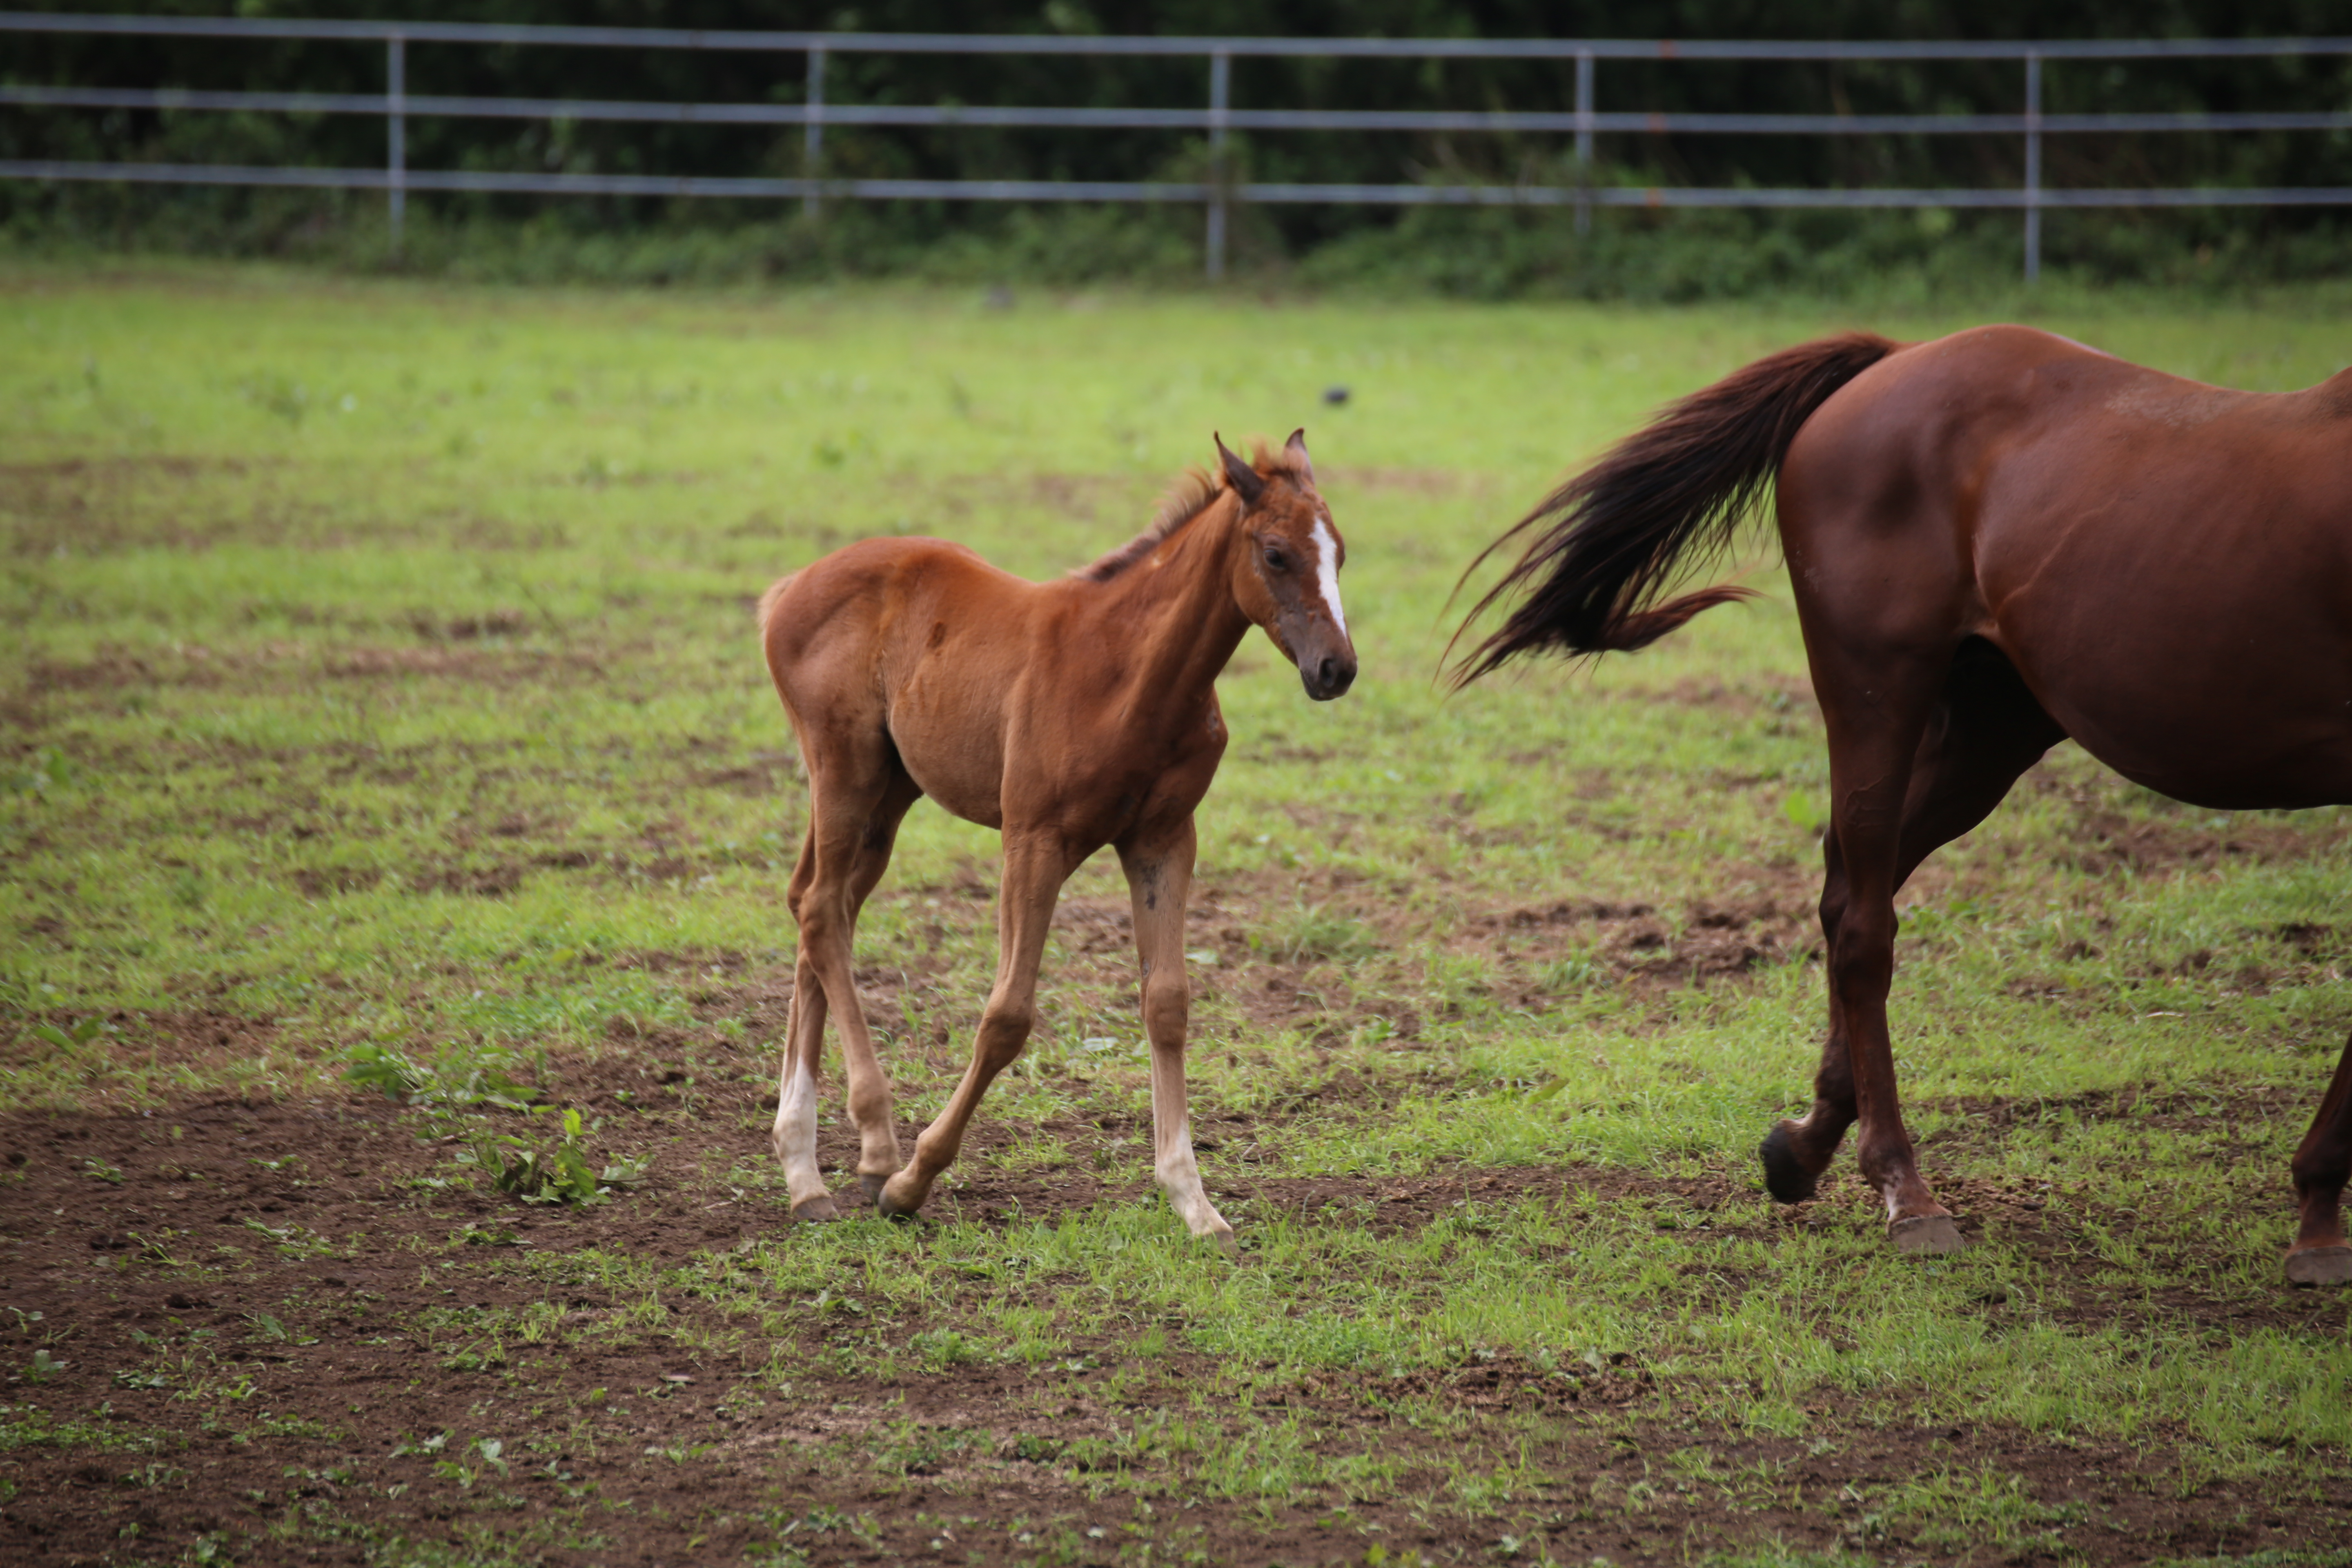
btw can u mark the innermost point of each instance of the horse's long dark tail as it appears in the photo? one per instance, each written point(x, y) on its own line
point(1612, 538)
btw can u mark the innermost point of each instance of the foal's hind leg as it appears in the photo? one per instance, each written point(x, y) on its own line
point(855, 814)
point(1987, 730)
point(1159, 880)
point(795, 1134)
point(2322, 1165)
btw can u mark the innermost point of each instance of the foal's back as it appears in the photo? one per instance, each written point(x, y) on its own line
point(872, 595)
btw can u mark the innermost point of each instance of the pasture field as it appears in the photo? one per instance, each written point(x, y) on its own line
point(390, 790)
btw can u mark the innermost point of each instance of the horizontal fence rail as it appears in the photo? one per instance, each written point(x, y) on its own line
point(1218, 119)
point(1026, 118)
point(1061, 44)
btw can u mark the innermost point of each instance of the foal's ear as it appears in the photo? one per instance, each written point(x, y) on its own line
point(1294, 452)
point(1246, 480)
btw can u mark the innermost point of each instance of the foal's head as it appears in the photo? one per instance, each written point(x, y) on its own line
point(1287, 579)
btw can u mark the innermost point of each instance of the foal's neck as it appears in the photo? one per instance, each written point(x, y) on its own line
point(1174, 611)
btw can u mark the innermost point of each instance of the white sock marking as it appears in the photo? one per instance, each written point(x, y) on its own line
point(795, 1134)
point(1327, 573)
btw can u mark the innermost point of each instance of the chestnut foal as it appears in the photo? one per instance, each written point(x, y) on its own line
point(1067, 715)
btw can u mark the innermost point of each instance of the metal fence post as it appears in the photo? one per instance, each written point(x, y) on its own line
point(1584, 141)
point(1220, 83)
point(395, 120)
point(813, 130)
point(2033, 167)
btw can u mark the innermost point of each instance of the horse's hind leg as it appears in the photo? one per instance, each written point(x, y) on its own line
point(2322, 1165)
point(1986, 731)
point(1911, 768)
point(1159, 880)
point(1795, 1153)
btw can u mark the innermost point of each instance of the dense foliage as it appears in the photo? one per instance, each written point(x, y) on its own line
point(1461, 252)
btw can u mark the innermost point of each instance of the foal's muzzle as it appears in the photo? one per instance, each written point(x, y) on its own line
point(1327, 677)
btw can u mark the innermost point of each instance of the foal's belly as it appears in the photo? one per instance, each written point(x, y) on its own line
point(950, 739)
point(962, 775)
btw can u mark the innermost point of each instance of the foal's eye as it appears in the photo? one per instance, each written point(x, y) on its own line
point(1276, 559)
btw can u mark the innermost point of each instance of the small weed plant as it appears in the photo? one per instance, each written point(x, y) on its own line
point(559, 1175)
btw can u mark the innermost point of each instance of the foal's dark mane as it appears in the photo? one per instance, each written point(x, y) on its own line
point(1195, 491)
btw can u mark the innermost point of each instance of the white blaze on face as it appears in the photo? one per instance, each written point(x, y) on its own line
point(1327, 573)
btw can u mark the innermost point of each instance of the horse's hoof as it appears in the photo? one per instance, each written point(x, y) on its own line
point(871, 1187)
point(1925, 1233)
point(1784, 1177)
point(2320, 1266)
point(815, 1210)
point(1226, 1242)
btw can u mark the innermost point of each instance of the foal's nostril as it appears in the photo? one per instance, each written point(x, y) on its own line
point(1333, 676)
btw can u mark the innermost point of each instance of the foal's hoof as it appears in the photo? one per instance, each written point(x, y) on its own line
point(1925, 1233)
point(1784, 1177)
point(900, 1205)
point(815, 1210)
point(1226, 1242)
point(871, 1187)
point(2320, 1266)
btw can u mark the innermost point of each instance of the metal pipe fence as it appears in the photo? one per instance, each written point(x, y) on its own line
point(1218, 119)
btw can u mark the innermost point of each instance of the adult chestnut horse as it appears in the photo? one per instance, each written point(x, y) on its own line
point(1995, 541)
point(1068, 715)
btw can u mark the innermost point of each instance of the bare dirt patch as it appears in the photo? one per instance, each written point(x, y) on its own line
point(298, 1256)
point(2111, 842)
point(203, 1042)
point(93, 503)
point(2106, 841)
point(458, 658)
point(1641, 942)
point(1788, 700)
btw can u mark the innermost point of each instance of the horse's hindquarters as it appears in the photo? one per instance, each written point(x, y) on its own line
point(2166, 565)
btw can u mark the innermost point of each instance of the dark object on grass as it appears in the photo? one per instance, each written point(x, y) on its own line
point(1996, 540)
point(1335, 395)
point(1068, 715)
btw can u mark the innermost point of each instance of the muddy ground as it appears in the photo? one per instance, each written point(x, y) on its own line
point(238, 1327)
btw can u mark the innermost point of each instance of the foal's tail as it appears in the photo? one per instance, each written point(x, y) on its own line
point(768, 603)
point(1615, 533)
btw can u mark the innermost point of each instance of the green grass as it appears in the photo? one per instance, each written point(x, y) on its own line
point(377, 677)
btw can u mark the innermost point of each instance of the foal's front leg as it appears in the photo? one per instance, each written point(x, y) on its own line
point(1036, 867)
point(1159, 880)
